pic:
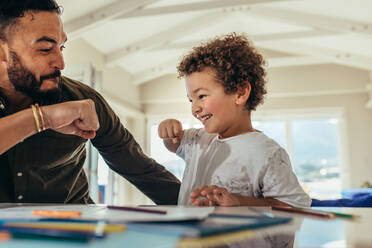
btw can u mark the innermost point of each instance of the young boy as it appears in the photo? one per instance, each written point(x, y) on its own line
point(228, 162)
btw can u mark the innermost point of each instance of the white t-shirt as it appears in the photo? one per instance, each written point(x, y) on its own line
point(249, 164)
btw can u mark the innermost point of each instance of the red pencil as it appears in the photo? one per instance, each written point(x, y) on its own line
point(303, 211)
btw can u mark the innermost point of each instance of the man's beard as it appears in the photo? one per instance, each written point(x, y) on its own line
point(24, 81)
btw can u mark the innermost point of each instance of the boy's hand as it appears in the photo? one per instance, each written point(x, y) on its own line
point(213, 196)
point(171, 129)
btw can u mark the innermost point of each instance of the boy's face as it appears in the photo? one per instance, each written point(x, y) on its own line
point(218, 111)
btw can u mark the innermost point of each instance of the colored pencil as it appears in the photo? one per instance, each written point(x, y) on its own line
point(303, 211)
point(52, 233)
point(4, 236)
point(57, 213)
point(135, 209)
point(337, 214)
point(70, 226)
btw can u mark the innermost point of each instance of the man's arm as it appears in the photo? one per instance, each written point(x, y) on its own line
point(123, 154)
point(75, 117)
point(15, 128)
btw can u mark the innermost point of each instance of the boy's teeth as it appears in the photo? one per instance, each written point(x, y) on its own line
point(205, 117)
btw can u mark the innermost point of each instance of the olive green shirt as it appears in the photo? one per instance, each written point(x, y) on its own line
point(48, 167)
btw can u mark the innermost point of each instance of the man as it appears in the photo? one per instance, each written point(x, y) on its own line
point(42, 147)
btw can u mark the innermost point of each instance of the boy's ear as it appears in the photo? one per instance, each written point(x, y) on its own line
point(243, 94)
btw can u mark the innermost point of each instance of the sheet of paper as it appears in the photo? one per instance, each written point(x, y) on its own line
point(100, 212)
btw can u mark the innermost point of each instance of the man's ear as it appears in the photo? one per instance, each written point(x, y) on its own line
point(243, 94)
point(3, 49)
point(2, 52)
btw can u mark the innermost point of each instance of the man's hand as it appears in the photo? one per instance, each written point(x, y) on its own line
point(74, 117)
point(213, 196)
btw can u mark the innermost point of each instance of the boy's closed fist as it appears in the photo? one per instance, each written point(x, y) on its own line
point(171, 129)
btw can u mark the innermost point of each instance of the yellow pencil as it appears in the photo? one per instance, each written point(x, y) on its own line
point(100, 227)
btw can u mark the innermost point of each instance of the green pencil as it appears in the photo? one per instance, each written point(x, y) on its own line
point(343, 215)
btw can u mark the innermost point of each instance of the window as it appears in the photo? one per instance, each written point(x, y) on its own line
point(313, 145)
point(159, 152)
point(315, 156)
point(311, 139)
point(273, 129)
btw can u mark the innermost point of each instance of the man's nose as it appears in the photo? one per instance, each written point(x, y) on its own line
point(58, 62)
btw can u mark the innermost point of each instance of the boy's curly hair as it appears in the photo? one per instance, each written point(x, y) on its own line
point(234, 60)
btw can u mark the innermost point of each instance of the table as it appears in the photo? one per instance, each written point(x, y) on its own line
point(303, 231)
point(306, 231)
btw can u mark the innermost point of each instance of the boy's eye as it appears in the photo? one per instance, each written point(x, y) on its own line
point(202, 96)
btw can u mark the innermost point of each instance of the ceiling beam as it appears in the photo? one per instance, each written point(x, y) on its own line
point(294, 61)
point(170, 66)
point(78, 26)
point(165, 37)
point(196, 6)
point(256, 38)
point(311, 20)
point(272, 95)
point(333, 55)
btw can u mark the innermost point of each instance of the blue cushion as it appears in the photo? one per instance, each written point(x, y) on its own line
point(362, 200)
point(355, 192)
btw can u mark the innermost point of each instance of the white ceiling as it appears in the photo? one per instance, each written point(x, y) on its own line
point(148, 37)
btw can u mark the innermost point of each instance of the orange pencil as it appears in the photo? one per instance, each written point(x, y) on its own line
point(303, 211)
point(4, 236)
point(56, 213)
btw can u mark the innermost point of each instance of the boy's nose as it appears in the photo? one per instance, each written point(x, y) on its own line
point(196, 109)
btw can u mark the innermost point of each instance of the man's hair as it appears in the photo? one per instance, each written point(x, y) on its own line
point(11, 10)
point(234, 61)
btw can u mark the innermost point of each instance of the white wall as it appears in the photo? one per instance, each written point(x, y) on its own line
point(307, 87)
point(117, 86)
point(124, 98)
point(116, 81)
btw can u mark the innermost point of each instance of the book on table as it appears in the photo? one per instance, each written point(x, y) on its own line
point(214, 224)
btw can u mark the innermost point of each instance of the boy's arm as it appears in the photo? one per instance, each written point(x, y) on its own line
point(171, 132)
point(170, 145)
point(214, 195)
point(253, 201)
